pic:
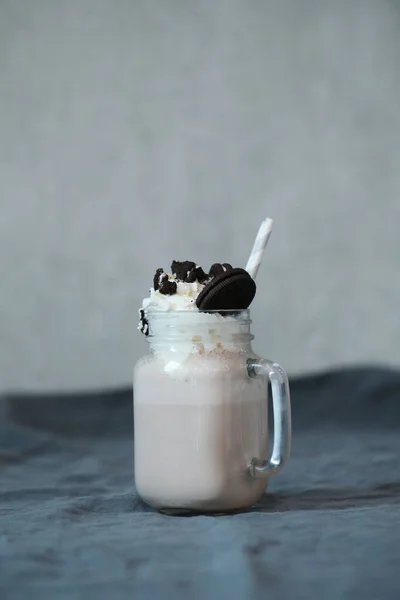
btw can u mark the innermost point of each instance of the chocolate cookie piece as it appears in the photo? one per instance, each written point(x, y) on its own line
point(197, 274)
point(156, 280)
point(168, 288)
point(143, 323)
point(216, 269)
point(182, 269)
point(234, 289)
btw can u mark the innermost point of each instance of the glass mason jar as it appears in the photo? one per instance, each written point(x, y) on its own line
point(200, 414)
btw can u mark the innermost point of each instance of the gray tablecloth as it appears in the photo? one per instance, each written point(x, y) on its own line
point(72, 526)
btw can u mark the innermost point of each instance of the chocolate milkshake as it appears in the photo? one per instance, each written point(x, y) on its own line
point(200, 408)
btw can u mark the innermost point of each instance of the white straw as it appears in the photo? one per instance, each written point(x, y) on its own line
point(260, 244)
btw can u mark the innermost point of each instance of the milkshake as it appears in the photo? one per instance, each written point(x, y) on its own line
point(200, 395)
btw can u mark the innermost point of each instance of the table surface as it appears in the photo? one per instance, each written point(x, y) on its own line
point(72, 525)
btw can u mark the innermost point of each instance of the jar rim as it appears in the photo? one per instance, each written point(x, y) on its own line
point(175, 325)
point(244, 312)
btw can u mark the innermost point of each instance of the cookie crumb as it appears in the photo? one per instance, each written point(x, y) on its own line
point(216, 269)
point(197, 274)
point(182, 269)
point(143, 323)
point(167, 287)
point(157, 277)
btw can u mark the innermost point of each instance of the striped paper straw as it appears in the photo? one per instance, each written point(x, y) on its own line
point(260, 243)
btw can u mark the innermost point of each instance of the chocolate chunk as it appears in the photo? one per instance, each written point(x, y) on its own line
point(182, 269)
point(168, 288)
point(192, 277)
point(156, 280)
point(202, 277)
point(216, 269)
point(197, 274)
point(143, 323)
point(234, 289)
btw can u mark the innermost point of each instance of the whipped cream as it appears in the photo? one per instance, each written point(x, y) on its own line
point(178, 329)
point(177, 292)
point(183, 299)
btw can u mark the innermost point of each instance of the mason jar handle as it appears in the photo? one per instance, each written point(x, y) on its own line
point(282, 417)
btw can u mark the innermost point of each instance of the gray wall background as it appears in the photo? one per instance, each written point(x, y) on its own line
point(134, 132)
